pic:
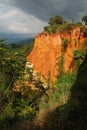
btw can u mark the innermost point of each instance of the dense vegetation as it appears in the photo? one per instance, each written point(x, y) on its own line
point(17, 104)
point(63, 107)
point(14, 106)
point(59, 24)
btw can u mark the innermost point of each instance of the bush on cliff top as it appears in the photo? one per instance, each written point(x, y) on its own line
point(59, 24)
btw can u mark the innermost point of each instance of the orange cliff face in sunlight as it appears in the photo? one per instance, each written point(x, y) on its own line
point(48, 48)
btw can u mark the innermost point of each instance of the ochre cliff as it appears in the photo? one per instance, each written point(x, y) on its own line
point(48, 48)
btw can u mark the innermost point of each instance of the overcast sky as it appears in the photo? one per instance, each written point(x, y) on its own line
point(30, 16)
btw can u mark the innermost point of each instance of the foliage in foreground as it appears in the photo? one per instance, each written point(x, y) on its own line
point(14, 106)
point(56, 98)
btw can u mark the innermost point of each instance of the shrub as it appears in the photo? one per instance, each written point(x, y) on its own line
point(50, 29)
point(65, 42)
point(78, 57)
point(79, 24)
point(66, 27)
point(78, 54)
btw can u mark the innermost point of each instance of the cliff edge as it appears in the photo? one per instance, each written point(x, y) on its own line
point(49, 48)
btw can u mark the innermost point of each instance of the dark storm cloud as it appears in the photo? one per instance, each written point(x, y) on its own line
point(44, 9)
point(30, 16)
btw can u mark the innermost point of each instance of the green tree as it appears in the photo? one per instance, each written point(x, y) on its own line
point(57, 20)
point(84, 19)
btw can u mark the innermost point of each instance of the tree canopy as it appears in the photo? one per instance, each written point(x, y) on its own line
point(84, 19)
point(57, 20)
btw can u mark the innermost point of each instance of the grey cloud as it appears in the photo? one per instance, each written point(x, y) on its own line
point(32, 15)
point(44, 9)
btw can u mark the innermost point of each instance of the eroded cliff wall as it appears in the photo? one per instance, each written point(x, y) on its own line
point(49, 48)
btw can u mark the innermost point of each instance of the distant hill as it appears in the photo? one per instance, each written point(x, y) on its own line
point(30, 40)
point(18, 43)
point(21, 43)
point(16, 38)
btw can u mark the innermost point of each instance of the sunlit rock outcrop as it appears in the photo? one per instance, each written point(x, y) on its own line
point(48, 48)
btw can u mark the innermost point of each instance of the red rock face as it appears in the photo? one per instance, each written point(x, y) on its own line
point(48, 48)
